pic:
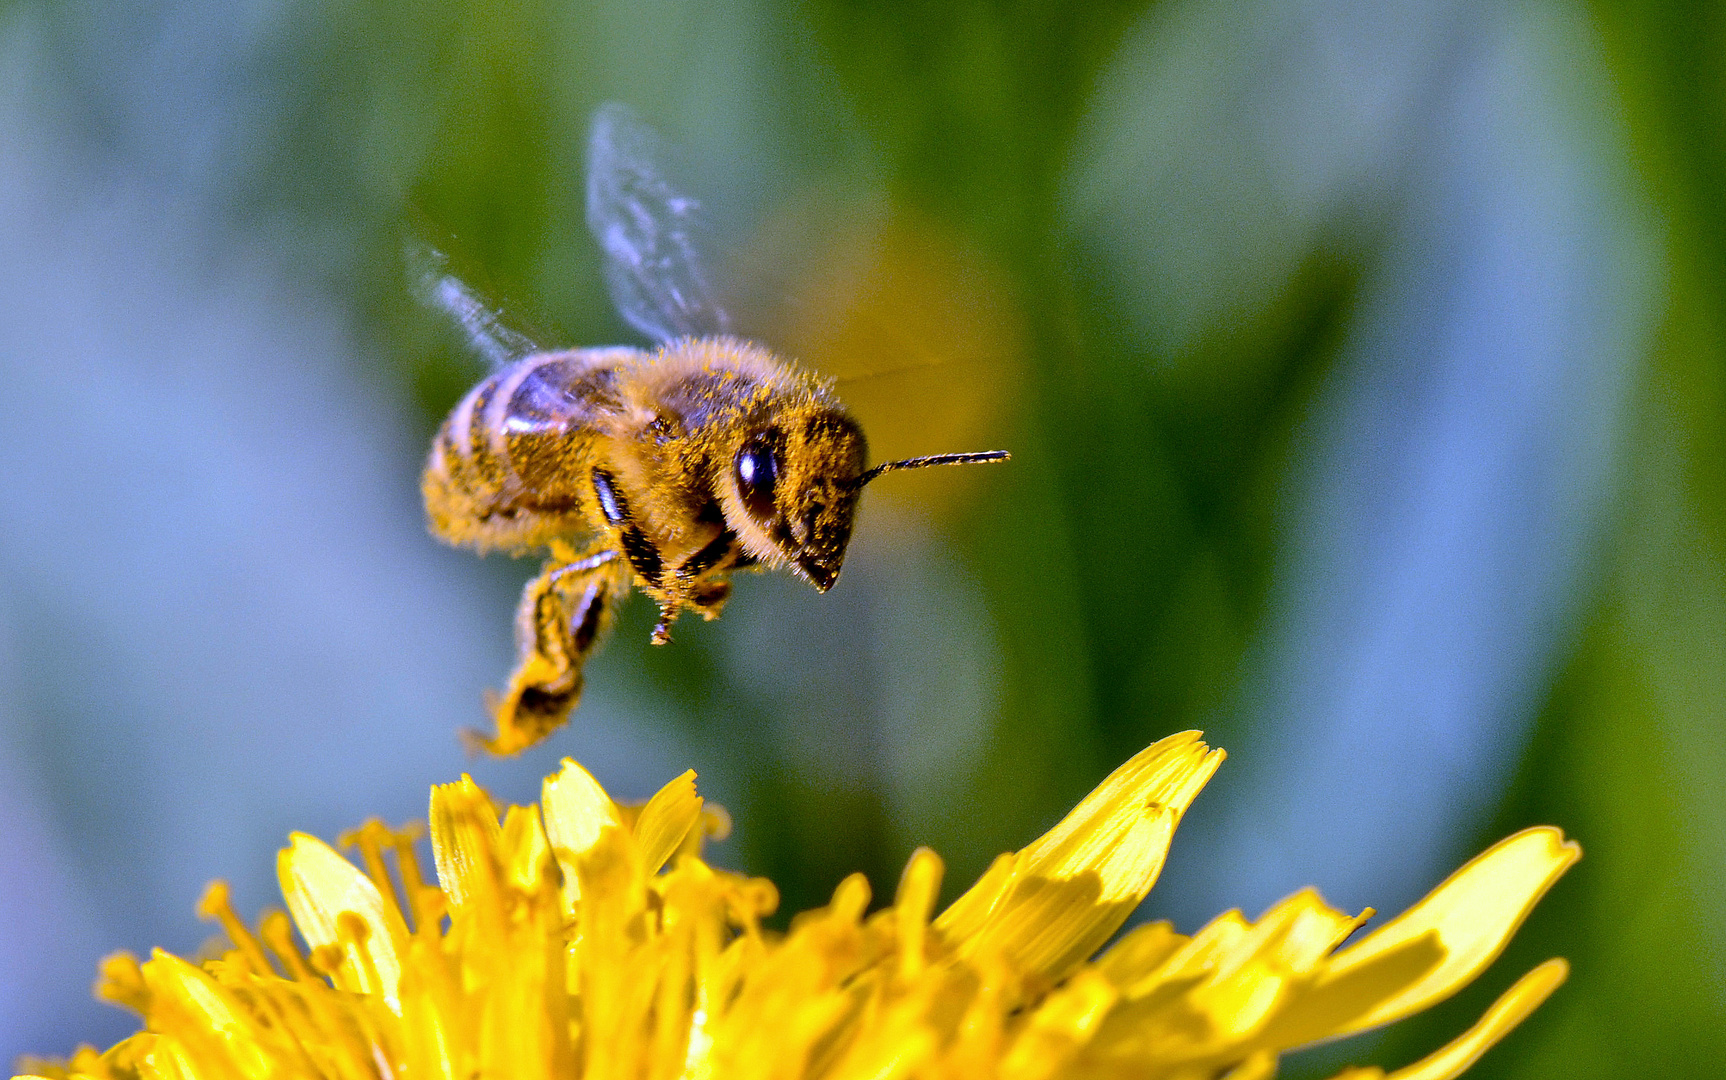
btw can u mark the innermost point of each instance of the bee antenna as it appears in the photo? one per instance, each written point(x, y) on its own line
point(981, 458)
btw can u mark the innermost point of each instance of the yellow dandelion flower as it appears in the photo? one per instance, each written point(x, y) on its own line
point(584, 938)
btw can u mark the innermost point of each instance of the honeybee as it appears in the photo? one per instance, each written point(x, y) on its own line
point(668, 468)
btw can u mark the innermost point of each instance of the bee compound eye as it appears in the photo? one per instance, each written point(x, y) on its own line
point(758, 475)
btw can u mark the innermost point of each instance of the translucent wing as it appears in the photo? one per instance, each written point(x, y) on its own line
point(482, 324)
point(646, 229)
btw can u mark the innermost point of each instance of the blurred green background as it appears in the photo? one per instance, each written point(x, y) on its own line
point(1362, 366)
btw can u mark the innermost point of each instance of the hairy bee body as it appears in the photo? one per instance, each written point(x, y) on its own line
point(505, 469)
point(514, 466)
point(666, 469)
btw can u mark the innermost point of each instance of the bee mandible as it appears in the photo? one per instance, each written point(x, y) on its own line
point(667, 468)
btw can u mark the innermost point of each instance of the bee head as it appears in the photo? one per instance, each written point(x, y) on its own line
point(792, 492)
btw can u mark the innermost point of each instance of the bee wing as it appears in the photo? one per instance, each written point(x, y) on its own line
point(482, 324)
point(646, 229)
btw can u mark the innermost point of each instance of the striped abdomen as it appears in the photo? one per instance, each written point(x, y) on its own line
point(508, 468)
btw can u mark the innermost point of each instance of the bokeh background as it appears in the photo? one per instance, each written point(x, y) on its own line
point(1364, 367)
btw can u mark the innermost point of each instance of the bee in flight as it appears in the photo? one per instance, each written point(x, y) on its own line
point(668, 468)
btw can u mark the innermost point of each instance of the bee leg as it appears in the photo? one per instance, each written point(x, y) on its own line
point(562, 614)
point(667, 616)
point(643, 555)
point(710, 597)
point(706, 597)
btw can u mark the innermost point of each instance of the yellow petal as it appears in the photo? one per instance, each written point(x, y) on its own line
point(526, 851)
point(1260, 1066)
point(1337, 1002)
point(1058, 1030)
point(1508, 1011)
point(1200, 954)
point(219, 1036)
point(576, 810)
point(1121, 831)
point(1056, 902)
point(1473, 914)
point(1299, 932)
point(966, 915)
point(1139, 953)
point(666, 820)
point(466, 842)
point(1252, 970)
point(319, 886)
